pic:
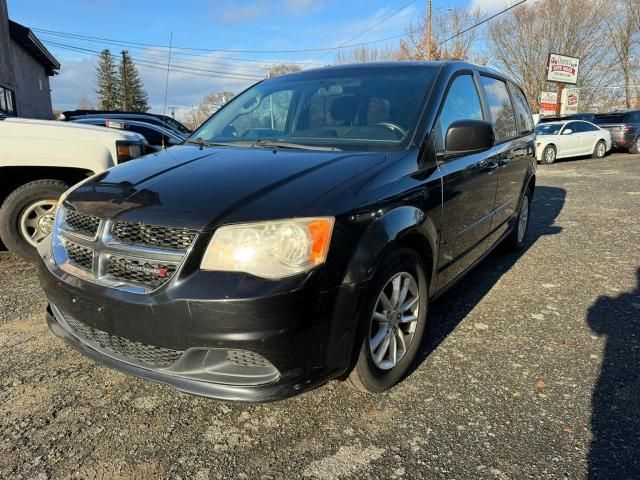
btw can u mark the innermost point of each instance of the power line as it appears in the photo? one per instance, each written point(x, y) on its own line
point(384, 19)
point(483, 21)
point(220, 50)
point(162, 50)
point(161, 66)
point(254, 71)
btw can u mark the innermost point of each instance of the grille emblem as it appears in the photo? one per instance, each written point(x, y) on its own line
point(158, 272)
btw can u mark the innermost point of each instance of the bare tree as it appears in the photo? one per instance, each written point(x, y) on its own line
point(622, 33)
point(445, 24)
point(521, 40)
point(209, 104)
point(282, 68)
point(363, 54)
point(85, 104)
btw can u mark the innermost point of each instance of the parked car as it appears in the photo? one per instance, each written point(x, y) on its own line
point(161, 120)
point(300, 233)
point(570, 139)
point(41, 159)
point(157, 136)
point(575, 116)
point(624, 128)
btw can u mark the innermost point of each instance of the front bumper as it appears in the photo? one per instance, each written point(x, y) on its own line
point(304, 334)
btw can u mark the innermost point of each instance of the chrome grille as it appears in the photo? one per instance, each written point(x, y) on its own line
point(141, 352)
point(79, 255)
point(82, 224)
point(140, 259)
point(139, 272)
point(152, 236)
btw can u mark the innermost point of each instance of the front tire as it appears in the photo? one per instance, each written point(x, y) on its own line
point(600, 150)
point(393, 322)
point(26, 216)
point(549, 155)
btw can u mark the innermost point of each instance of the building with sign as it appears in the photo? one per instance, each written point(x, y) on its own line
point(25, 68)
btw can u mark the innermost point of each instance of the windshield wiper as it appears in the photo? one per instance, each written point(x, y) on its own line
point(296, 146)
point(202, 143)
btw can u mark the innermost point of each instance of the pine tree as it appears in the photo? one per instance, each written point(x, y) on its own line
point(108, 88)
point(133, 96)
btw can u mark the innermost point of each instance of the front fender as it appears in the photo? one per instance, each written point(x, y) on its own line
point(403, 225)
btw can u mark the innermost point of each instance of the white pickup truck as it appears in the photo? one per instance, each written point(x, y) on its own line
point(39, 160)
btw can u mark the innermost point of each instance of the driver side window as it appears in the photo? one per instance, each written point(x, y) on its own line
point(462, 103)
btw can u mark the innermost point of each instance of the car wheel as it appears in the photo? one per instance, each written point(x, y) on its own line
point(549, 155)
point(393, 322)
point(26, 216)
point(600, 150)
point(636, 146)
point(516, 239)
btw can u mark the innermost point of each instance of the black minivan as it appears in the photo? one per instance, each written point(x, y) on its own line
point(298, 235)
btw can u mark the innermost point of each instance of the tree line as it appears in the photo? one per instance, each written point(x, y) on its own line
point(604, 34)
point(118, 84)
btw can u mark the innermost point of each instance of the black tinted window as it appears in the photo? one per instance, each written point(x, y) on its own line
point(573, 126)
point(502, 116)
point(632, 117)
point(523, 114)
point(462, 103)
point(153, 137)
point(609, 118)
point(587, 127)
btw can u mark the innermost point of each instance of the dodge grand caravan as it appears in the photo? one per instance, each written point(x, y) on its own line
point(298, 235)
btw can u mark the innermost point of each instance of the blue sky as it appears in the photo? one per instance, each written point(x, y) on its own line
point(209, 24)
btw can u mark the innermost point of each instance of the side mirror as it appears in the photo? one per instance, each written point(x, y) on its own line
point(567, 131)
point(465, 137)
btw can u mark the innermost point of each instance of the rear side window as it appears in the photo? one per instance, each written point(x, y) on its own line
point(462, 103)
point(502, 116)
point(609, 118)
point(587, 127)
point(573, 126)
point(521, 107)
point(632, 117)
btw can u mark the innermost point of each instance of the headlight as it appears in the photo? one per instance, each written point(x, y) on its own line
point(274, 249)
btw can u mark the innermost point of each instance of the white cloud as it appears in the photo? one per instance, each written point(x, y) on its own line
point(492, 6)
point(77, 79)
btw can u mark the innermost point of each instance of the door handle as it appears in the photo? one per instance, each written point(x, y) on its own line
point(487, 165)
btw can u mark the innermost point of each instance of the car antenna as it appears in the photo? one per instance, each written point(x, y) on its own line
point(166, 90)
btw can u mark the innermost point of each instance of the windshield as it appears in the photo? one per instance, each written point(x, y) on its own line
point(372, 108)
point(549, 129)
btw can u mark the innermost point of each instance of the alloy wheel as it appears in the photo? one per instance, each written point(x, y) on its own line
point(523, 219)
point(550, 155)
point(394, 321)
point(600, 150)
point(36, 221)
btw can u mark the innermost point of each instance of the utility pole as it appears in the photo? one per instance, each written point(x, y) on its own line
point(428, 30)
point(124, 83)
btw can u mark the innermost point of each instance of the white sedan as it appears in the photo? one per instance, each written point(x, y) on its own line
point(571, 138)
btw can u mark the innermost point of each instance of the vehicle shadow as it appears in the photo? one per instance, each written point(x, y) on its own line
point(450, 309)
point(615, 417)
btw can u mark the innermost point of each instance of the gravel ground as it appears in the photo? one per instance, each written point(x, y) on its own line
point(530, 370)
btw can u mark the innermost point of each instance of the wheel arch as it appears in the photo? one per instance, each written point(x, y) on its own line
point(405, 226)
point(15, 176)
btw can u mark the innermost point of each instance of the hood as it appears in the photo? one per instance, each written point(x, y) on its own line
point(195, 188)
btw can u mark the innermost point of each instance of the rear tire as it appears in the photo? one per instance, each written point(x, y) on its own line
point(600, 150)
point(636, 146)
point(516, 239)
point(549, 155)
point(26, 216)
point(380, 367)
